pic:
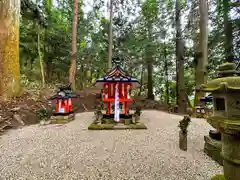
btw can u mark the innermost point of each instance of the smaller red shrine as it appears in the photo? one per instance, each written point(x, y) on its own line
point(109, 82)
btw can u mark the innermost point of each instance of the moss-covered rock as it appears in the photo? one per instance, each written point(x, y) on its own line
point(218, 177)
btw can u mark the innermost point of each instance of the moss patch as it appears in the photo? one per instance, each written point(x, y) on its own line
point(218, 177)
point(115, 126)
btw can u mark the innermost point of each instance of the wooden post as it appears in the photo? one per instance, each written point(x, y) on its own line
point(183, 140)
point(183, 124)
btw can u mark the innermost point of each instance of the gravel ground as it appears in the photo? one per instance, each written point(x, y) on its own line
point(71, 152)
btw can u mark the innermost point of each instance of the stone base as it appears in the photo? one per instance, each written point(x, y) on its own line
point(213, 149)
point(62, 119)
point(115, 126)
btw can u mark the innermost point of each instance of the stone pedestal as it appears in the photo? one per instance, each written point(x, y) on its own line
point(231, 154)
point(183, 140)
point(127, 121)
point(213, 149)
point(62, 119)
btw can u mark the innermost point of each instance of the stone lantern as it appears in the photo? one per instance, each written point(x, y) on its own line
point(226, 119)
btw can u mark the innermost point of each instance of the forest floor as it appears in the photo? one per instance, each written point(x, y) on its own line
point(22, 111)
point(71, 151)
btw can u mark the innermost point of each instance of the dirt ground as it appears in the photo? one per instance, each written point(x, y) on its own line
point(23, 111)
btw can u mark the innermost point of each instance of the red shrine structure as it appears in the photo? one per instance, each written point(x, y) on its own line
point(116, 77)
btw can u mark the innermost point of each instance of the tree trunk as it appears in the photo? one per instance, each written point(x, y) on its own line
point(166, 75)
point(110, 43)
point(228, 31)
point(149, 60)
point(9, 47)
point(48, 61)
point(141, 82)
point(41, 59)
point(202, 57)
point(181, 98)
point(73, 66)
point(150, 80)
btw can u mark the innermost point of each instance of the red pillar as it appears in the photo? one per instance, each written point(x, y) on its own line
point(120, 90)
point(109, 90)
point(109, 108)
point(109, 96)
point(126, 108)
point(125, 90)
point(125, 96)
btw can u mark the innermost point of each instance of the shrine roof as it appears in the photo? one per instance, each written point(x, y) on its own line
point(207, 98)
point(117, 75)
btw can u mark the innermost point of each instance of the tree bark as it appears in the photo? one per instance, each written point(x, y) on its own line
point(181, 98)
point(149, 60)
point(166, 75)
point(141, 81)
point(228, 31)
point(202, 57)
point(110, 38)
point(9, 47)
point(41, 63)
point(73, 66)
point(48, 61)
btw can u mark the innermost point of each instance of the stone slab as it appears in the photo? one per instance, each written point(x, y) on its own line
point(213, 149)
point(117, 126)
point(60, 119)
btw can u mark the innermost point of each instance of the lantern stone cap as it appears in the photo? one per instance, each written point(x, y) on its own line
point(227, 80)
point(227, 66)
point(222, 84)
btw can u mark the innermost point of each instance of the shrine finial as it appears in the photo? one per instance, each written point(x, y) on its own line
point(117, 61)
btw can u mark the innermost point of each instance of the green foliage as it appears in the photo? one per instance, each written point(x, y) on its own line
point(150, 10)
point(44, 113)
point(139, 30)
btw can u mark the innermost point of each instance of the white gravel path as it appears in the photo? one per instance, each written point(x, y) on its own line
point(71, 152)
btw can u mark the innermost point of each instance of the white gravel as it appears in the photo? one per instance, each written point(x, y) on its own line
point(71, 152)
